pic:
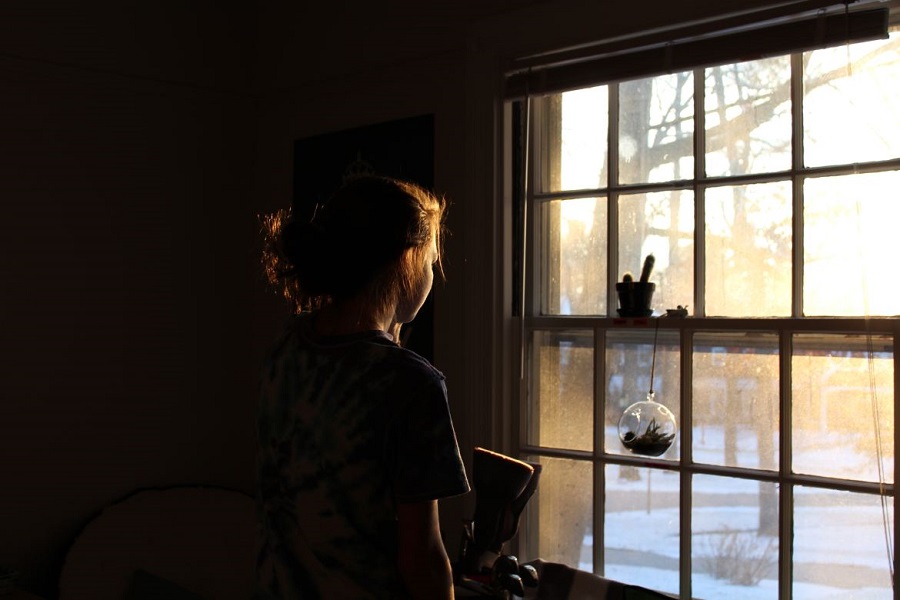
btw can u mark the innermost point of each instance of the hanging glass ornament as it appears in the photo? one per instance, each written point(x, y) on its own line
point(647, 427)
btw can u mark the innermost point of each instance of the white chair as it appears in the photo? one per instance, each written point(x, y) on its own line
point(183, 542)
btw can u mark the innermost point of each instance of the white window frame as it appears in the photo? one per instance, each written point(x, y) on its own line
point(784, 328)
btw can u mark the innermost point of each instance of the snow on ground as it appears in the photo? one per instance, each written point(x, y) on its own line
point(838, 536)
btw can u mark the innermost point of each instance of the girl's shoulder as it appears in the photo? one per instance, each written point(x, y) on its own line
point(369, 348)
point(417, 362)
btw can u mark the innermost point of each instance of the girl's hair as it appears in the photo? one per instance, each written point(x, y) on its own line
point(355, 246)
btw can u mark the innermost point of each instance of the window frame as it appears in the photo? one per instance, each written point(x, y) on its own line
point(529, 270)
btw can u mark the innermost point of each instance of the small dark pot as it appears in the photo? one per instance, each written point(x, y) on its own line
point(634, 298)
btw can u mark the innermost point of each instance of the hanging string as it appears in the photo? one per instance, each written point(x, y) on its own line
point(879, 454)
point(870, 349)
point(873, 394)
point(847, 36)
point(653, 361)
point(873, 387)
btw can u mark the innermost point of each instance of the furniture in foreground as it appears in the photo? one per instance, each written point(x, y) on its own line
point(176, 543)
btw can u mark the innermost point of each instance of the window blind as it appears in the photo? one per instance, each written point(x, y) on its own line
point(746, 42)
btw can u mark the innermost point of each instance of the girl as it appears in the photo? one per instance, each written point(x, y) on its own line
point(356, 443)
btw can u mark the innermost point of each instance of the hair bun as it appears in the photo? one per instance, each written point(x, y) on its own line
point(304, 244)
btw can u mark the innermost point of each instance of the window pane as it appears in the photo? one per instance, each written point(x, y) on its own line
point(850, 239)
point(629, 360)
point(843, 407)
point(561, 409)
point(560, 514)
point(839, 545)
point(748, 117)
point(662, 224)
point(641, 527)
point(735, 400)
point(575, 257)
point(850, 109)
point(748, 250)
point(575, 137)
point(734, 540)
point(656, 129)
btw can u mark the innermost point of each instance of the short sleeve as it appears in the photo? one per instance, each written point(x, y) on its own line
point(427, 462)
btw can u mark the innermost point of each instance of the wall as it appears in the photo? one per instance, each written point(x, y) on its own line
point(139, 143)
point(125, 170)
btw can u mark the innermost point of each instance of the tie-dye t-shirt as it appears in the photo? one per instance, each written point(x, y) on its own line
point(348, 427)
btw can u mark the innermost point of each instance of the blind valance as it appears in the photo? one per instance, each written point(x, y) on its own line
point(748, 42)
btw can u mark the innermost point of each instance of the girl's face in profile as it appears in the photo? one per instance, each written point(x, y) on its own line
point(409, 307)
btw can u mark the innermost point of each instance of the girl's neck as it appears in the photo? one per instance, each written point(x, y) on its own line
point(347, 318)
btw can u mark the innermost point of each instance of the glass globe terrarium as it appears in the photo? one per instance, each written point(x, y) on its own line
point(647, 427)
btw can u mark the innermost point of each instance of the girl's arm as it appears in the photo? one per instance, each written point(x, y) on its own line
point(422, 560)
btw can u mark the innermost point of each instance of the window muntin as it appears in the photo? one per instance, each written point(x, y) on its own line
point(762, 236)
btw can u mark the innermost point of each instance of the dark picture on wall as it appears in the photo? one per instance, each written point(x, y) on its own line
point(403, 149)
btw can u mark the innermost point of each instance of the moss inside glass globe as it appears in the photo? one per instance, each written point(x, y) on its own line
point(647, 428)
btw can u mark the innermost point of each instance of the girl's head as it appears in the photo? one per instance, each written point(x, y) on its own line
point(374, 242)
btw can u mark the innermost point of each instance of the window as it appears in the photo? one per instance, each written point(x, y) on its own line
point(766, 190)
